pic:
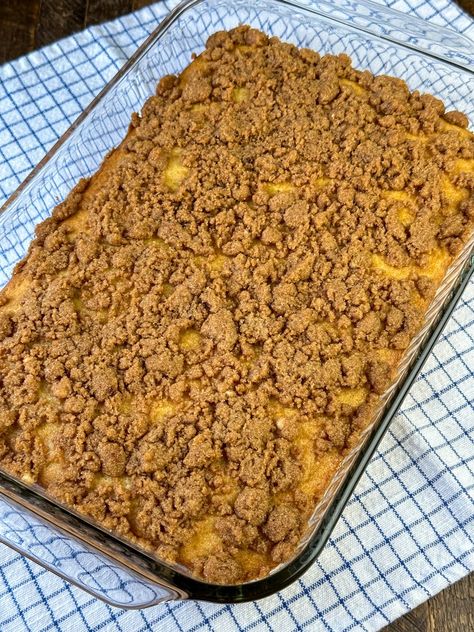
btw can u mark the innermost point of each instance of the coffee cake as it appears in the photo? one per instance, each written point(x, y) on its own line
point(202, 329)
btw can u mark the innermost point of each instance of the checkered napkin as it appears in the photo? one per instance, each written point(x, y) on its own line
point(409, 529)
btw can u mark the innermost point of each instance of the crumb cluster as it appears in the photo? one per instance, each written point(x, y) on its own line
point(201, 330)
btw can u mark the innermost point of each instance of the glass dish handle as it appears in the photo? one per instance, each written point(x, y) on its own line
point(74, 562)
point(391, 24)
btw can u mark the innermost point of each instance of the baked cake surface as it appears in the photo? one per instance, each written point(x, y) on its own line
point(200, 332)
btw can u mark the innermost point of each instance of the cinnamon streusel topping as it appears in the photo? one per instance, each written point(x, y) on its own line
point(200, 331)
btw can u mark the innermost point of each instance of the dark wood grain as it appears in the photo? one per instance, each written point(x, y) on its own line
point(414, 621)
point(100, 10)
point(59, 18)
point(467, 5)
point(451, 610)
point(18, 20)
point(29, 24)
point(138, 4)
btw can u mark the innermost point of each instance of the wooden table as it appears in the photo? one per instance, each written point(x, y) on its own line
point(29, 24)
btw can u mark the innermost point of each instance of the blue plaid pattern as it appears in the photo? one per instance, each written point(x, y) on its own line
point(409, 529)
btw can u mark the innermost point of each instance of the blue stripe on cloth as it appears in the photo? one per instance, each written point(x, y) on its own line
point(407, 532)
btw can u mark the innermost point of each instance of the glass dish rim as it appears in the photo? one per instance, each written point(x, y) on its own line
point(154, 569)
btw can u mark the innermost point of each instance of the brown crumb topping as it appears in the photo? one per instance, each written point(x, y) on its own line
point(201, 330)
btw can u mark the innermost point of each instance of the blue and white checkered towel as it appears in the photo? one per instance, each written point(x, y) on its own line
point(408, 531)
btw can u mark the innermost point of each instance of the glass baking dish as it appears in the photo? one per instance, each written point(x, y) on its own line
point(430, 59)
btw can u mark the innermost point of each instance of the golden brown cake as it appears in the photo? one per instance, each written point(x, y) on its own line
point(200, 332)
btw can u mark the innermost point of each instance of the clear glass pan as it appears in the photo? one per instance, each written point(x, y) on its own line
point(379, 39)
